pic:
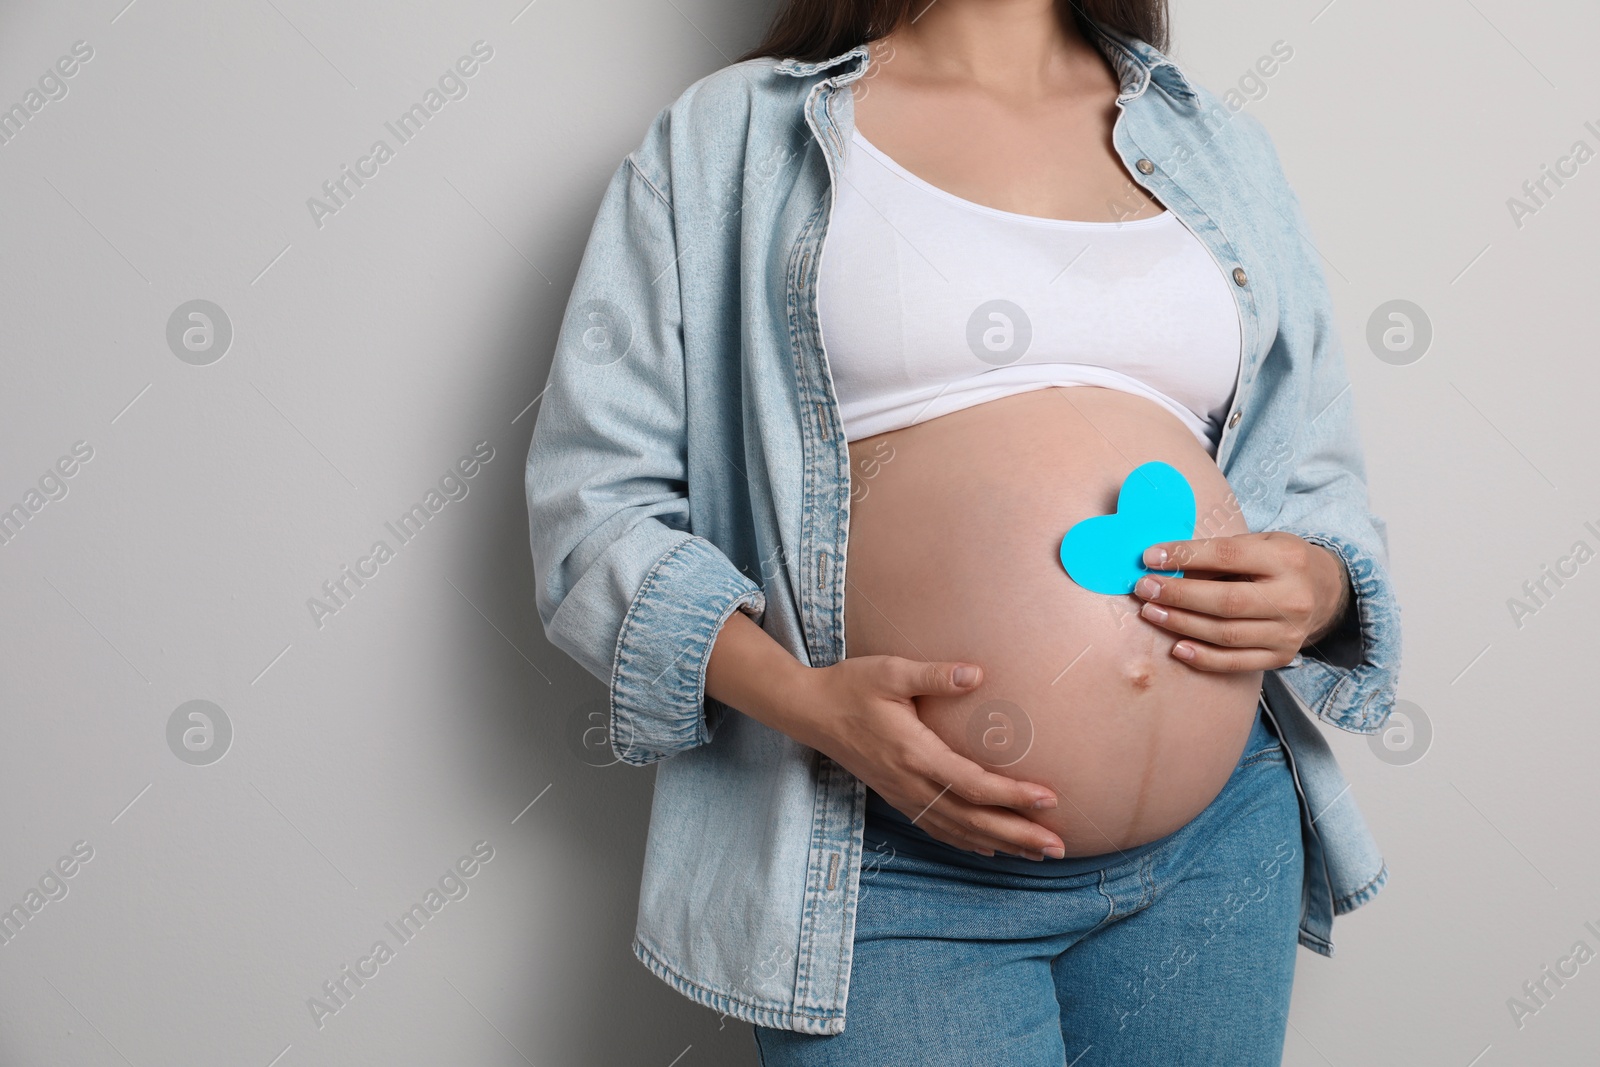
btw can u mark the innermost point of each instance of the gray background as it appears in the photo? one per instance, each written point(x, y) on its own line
point(368, 354)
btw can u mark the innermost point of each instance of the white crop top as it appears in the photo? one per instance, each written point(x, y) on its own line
point(929, 303)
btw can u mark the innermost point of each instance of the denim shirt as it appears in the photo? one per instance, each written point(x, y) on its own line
point(689, 461)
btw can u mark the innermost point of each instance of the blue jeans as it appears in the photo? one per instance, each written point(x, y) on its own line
point(1182, 954)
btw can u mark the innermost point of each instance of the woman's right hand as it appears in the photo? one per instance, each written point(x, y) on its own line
point(862, 713)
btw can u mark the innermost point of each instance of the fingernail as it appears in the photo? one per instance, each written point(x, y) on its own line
point(1045, 802)
point(1155, 557)
point(1183, 650)
point(1153, 613)
point(1056, 853)
point(986, 852)
point(966, 675)
point(1148, 588)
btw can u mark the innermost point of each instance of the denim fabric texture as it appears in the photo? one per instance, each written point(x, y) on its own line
point(688, 462)
point(1112, 965)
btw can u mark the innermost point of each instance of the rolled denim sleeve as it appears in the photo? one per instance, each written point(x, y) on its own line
point(1349, 678)
point(622, 585)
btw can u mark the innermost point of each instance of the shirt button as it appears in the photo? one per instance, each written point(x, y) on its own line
point(1234, 421)
point(1239, 276)
point(1145, 166)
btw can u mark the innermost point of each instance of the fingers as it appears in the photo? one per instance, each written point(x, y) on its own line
point(1238, 625)
point(909, 677)
point(1223, 642)
point(978, 802)
point(969, 781)
point(943, 827)
point(1230, 600)
point(955, 822)
point(1255, 554)
point(1223, 632)
point(1206, 657)
point(946, 829)
point(964, 804)
point(1013, 832)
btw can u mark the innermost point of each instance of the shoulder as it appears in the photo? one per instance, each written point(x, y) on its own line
point(1227, 122)
point(1229, 156)
point(719, 119)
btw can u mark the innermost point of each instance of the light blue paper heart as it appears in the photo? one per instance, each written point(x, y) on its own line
point(1104, 554)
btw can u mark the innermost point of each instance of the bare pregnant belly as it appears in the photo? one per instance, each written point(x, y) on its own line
point(953, 554)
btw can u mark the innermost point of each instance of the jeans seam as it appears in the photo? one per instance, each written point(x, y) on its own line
point(1274, 753)
point(1111, 908)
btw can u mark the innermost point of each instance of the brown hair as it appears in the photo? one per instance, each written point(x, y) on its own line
point(812, 30)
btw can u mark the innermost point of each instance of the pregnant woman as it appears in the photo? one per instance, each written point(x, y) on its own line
point(869, 321)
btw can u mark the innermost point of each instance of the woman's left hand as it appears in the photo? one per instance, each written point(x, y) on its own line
point(1263, 597)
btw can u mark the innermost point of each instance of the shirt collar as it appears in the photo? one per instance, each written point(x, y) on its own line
point(1136, 62)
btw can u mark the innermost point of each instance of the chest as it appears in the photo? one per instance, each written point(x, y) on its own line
point(929, 304)
point(1053, 160)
